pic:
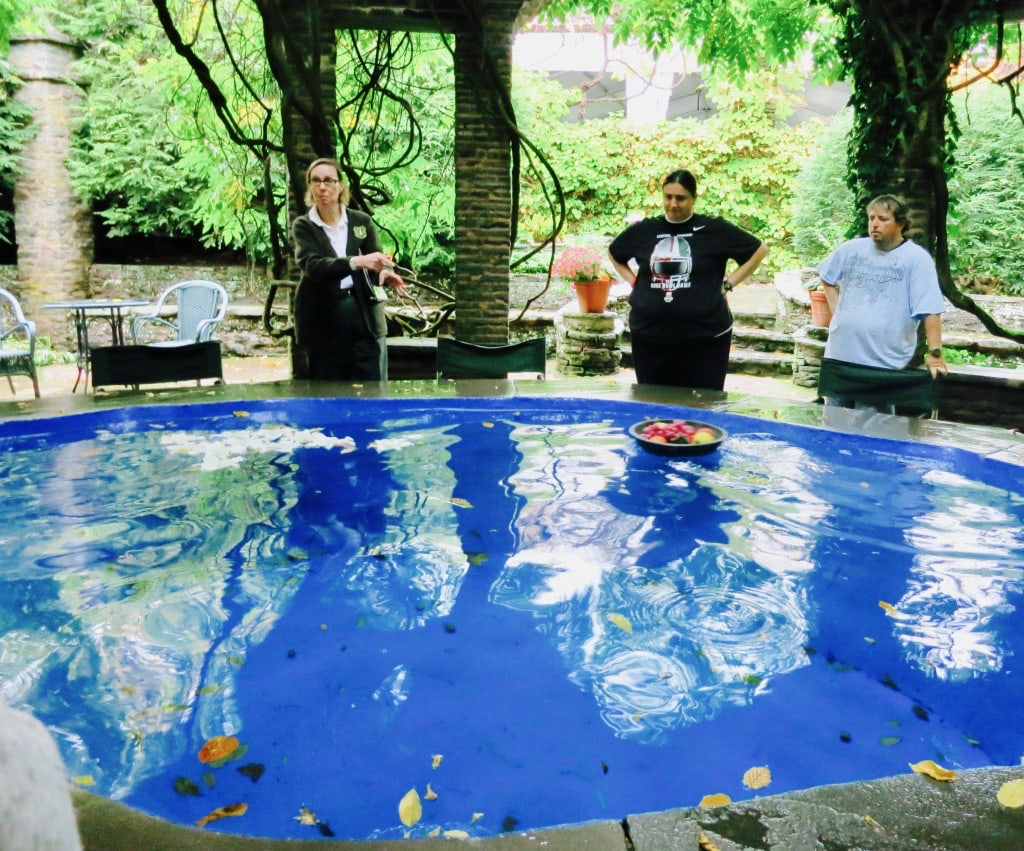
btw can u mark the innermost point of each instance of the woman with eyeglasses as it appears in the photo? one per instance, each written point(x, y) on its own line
point(340, 326)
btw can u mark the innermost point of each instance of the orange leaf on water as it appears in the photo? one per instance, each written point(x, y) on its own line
point(889, 608)
point(217, 748)
point(719, 799)
point(933, 770)
point(223, 812)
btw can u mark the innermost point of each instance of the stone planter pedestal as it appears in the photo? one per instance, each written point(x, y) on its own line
point(587, 343)
point(808, 350)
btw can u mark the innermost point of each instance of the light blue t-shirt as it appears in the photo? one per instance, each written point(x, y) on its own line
point(883, 295)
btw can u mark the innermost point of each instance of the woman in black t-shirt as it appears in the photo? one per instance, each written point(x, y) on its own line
point(679, 320)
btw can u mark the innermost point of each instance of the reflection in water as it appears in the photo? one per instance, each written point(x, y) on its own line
point(963, 574)
point(149, 569)
point(708, 620)
point(153, 592)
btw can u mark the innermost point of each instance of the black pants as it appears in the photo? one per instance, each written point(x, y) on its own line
point(353, 355)
point(701, 364)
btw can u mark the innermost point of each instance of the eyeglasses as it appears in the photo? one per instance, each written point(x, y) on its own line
point(326, 181)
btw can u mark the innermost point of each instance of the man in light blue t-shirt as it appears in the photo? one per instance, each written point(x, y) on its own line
point(880, 288)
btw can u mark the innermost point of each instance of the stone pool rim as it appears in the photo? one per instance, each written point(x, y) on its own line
point(905, 811)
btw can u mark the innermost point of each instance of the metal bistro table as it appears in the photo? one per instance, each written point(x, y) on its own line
point(86, 310)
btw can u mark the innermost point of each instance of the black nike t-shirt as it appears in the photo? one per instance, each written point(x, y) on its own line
point(678, 292)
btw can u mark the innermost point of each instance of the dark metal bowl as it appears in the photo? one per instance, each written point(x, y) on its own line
point(678, 449)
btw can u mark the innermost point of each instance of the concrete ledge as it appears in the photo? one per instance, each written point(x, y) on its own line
point(897, 813)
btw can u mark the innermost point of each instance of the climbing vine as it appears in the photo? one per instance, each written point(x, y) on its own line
point(898, 57)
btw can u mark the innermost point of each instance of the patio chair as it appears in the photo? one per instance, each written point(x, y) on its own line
point(200, 307)
point(19, 359)
point(458, 359)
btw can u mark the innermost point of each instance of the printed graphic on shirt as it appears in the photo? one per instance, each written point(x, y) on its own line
point(870, 282)
point(671, 264)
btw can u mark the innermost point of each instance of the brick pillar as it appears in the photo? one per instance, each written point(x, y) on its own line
point(483, 191)
point(53, 228)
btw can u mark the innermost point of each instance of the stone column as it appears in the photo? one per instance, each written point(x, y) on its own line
point(52, 227)
point(483, 186)
point(587, 343)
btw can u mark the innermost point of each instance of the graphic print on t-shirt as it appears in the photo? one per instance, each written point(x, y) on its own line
point(671, 264)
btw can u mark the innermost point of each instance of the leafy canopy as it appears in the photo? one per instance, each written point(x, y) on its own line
point(731, 39)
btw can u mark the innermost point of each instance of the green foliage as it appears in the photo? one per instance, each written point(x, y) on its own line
point(986, 218)
point(15, 130)
point(150, 155)
point(10, 11)
point(746, 161)
point(722, 34)
point(822, 200)
point(404, 149)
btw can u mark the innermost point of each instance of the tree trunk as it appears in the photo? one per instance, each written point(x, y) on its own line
point(900, 55)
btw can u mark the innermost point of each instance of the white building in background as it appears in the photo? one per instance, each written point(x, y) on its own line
point(625, 78)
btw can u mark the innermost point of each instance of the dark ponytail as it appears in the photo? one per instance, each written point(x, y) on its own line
point(684, 178)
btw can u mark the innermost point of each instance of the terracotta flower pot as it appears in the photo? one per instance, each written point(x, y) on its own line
point(592, 295)
point(821, 313)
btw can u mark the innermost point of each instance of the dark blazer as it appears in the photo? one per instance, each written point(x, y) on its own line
point(317, 295)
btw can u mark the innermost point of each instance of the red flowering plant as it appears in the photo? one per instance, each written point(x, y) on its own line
point(582, 263)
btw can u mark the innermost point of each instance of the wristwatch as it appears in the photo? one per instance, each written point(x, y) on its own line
point(935, 353)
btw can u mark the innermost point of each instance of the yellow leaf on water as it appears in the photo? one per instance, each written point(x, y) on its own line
point(223, 812)
point(306, 816)
point(719, 799)
point(242, 414)
point(486, 424)
point(874, 825)
point(84, 780)
point(476, 817)
point(410, 810)
point(757, 777)
point(456, 834)
point(461, 503)
point(1011, 794)
point(621, 621)
point(430, 794)
point(435, 832)
point(888, 607)
point(932, 770)
point(435, 760)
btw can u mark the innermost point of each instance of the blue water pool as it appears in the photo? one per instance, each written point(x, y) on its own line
point(505, 605)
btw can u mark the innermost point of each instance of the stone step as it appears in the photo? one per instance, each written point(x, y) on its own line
point(752, 362)
point(761, 339)
point(754, 319)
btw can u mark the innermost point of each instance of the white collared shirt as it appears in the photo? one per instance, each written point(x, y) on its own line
point(338, 235)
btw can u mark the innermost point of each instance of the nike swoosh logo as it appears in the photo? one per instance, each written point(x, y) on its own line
point(699, 227)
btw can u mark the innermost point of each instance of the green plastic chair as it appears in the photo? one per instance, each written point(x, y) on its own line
point(458, 359)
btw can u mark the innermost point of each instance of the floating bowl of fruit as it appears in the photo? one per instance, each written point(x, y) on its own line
point(678, 437)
